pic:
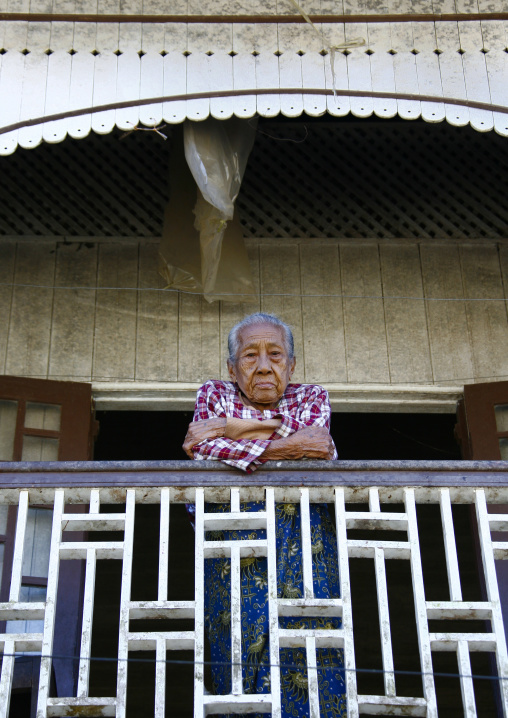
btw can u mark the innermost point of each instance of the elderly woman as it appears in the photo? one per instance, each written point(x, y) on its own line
point(256, 417)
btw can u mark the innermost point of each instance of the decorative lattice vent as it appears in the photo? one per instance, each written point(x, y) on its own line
point(99, 186)
point(376, 179)
point(335, 178)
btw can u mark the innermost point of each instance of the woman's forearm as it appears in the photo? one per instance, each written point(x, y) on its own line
point(250, 428)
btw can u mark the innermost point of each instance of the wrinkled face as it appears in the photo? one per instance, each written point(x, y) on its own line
point(262, 368)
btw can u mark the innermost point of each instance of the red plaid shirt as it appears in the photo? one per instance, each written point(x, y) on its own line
point(301, 405)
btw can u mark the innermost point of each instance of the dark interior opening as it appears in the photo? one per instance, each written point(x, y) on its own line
point(159, 435)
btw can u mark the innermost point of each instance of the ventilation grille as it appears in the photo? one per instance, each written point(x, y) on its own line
point(376, 179)
point(336, 178)
point(99, 186)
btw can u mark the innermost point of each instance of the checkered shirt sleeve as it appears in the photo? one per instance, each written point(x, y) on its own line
point(302, 405)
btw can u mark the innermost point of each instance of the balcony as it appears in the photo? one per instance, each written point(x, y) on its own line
point(419, 555)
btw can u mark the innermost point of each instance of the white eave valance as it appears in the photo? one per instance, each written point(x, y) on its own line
point(456, 71)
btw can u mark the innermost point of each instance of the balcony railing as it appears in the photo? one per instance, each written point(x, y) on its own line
point(411, 514)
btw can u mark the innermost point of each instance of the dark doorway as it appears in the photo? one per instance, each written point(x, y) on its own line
point(152, 435)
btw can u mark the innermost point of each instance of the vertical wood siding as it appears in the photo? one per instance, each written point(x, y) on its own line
point(357, 309)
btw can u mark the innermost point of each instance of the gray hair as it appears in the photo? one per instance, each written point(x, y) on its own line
point(252, 320)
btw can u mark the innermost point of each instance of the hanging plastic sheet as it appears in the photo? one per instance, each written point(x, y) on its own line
point(202, 248)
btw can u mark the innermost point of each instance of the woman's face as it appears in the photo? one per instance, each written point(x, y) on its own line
point(262, 368)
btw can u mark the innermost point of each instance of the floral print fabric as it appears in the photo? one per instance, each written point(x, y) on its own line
point(255, 643)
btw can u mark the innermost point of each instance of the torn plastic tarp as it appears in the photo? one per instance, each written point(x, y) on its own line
point(202, 248)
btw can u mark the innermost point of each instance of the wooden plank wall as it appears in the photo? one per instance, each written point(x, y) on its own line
point(357, 308)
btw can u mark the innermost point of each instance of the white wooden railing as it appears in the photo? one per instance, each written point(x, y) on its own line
point(390, 494)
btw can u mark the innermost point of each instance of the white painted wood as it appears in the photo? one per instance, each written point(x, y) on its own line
point(273, 614)
point(313, 75)
point(336, 72)
point(105, 76)
point(452, 72)
point(306, 538)
point(58, 82)
point(86, 626)
point(475, 74)
point(290, 70)
point(452, 563)
point(11, 80)
point(127, 87)
point(494, 37)
point(245, 41)
point(427, 70)
point(34, 82)
point(310, 639)
point(347, 615)
point(199, 618)
point(19, 542)
point(244, 78)
point(125, 595)
point(220, 68)
point(160, 679)
point(51, 596)
point(82, 78)
point(489, 569)
point(162, 592)
point(152, 85)
point(381, 68)
point(466, 682)
point(404, 65)
point(310, 650)
point(152, 73)
point(420, 609)
point(6, 676)
point(384, 622)
point(267, 76)
point(175, 71)
point(358, 67)
point(236, 622)
point(198, 77)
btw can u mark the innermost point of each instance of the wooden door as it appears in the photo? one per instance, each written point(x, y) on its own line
point(482, 432)
point(482, 427)
point(44, 420)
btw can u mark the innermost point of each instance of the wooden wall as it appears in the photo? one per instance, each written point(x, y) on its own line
point(356, 308)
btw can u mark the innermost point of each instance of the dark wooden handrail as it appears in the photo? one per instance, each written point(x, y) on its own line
point(127, 474)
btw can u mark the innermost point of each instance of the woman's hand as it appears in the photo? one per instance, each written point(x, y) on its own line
point(198, 431)
point(313, 442)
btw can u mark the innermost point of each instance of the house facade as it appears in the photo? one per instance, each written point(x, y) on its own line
point(374, 220)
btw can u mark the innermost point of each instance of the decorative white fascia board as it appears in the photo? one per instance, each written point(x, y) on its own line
point(180, 396)
point(46, 74)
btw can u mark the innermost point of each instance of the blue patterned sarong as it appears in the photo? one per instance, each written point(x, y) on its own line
point(255, 645)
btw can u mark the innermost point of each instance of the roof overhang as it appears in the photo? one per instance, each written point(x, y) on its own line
point(64, 78)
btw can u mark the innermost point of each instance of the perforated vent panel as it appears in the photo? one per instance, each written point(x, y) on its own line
point(347, 178)
point(376, 179)
point(99, 186)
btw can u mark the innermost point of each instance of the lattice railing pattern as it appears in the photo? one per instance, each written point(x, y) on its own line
point(380, 516)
